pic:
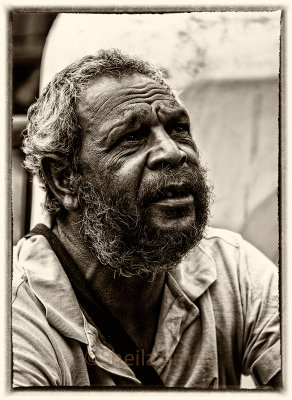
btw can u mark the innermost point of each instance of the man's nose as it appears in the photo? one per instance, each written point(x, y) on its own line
point(164, 150)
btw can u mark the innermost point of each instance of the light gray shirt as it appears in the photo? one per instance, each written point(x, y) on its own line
point(219, 318)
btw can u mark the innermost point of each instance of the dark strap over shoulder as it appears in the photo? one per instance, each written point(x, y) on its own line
point(98, 314)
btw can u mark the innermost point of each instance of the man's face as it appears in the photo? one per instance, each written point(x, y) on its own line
point(147, 189)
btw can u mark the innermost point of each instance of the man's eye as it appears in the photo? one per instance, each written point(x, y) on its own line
point(180, 128)
point(136, 136)
point(131, 138)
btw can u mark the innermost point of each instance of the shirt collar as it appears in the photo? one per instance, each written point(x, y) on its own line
point(196, 272)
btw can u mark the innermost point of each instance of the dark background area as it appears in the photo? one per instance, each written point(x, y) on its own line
point(29, 32)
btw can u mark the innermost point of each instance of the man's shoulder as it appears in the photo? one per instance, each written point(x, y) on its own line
point(44, 350)
point(217, 245)
point(233, 248)
point(226, 258)
point(223, 236)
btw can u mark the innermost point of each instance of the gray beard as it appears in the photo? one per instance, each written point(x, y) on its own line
point(116, 229)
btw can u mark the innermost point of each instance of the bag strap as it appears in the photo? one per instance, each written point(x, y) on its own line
point(98, 314)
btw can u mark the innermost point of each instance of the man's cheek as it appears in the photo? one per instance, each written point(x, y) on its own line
point(119, 193)
point(192, 153)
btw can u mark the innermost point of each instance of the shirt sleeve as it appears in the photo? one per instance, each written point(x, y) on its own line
point(34, 359)
point(261, 357)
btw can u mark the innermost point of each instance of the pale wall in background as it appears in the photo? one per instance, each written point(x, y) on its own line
point(189, 46)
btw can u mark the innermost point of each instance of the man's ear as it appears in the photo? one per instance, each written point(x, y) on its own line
point(58, 177)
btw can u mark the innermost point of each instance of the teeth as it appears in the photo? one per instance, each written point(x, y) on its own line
point(171, 194)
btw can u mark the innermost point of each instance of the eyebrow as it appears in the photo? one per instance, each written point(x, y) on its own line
point(175, 114)
point(122, 127)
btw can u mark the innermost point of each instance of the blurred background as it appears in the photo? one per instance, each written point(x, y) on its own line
point(226, 67)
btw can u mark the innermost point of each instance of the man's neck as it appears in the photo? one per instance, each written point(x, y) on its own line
point(134, 301)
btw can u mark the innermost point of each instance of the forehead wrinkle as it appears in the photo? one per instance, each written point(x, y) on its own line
point(107, 97)
point(135, 100)
point(105, 102)
point(130, 97)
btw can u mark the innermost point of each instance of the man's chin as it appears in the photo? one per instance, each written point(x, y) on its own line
point(166, 245)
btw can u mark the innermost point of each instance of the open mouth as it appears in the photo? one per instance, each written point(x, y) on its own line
point(174, 196)
point(176, 193)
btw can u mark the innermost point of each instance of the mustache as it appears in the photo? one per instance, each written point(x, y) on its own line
point(172, 182)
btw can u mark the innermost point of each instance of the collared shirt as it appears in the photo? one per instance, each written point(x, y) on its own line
point(219, 318)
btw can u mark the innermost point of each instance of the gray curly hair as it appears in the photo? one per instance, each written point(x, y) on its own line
point(53, 126)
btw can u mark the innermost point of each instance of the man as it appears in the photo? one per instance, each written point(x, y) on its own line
point(128, 287)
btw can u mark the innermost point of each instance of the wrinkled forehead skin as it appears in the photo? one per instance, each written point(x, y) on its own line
point(109, 102)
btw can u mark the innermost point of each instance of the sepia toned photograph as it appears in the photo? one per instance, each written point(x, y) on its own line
point(146, 199)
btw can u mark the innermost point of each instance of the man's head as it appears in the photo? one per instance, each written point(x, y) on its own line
point(112, 143)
